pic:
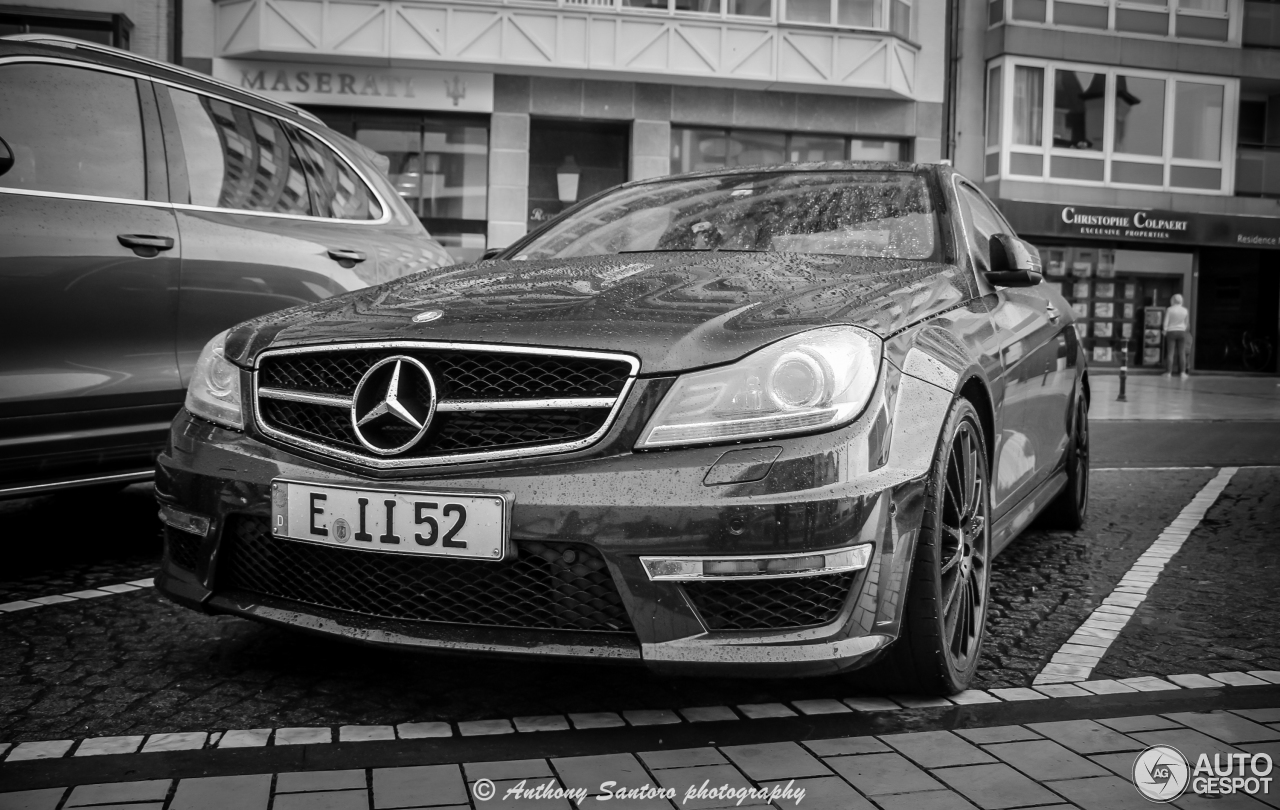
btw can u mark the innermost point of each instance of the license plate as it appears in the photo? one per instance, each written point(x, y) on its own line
point(432, 524)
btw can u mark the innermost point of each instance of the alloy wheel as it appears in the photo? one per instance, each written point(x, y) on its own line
point(965, 547)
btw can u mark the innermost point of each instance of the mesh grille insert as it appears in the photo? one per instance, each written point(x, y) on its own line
point(183, 547)
point(470, 375)
point(549, 585)
point(770, 604)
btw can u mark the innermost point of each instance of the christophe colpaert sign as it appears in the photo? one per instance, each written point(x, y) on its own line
point(361, 85)
point(1142, 225)
point(1135, 225)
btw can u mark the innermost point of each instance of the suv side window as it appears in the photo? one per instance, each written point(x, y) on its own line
point(238, 158)
point(336, 190)
point(982, 221)
point(72, 130)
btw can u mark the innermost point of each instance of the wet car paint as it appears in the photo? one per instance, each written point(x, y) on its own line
point(860, 483)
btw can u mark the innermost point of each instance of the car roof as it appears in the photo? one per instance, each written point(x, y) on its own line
point(105, 54)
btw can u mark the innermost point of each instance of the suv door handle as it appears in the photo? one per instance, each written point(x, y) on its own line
point(145, 244)
point(341, 255)
point(1052, 312)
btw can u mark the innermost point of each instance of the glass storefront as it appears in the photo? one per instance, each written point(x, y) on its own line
point(1119, 298)
point(696, 149)
point(438, 162)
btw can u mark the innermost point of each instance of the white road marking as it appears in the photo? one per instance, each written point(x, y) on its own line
point(1080, 655)
point(75, 596)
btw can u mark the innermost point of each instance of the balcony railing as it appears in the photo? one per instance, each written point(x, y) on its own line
point(1261, 24)
point(1258, 171)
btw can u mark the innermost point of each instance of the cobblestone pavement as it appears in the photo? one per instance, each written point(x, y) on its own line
point(1214, 608)
point(135, 663)
point(1062, 764)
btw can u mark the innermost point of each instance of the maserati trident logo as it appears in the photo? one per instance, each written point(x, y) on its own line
point(393, 405)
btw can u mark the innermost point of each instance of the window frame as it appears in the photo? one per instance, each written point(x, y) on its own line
point(176, 163)
point(1046, 151)
point(155, 186)
point(1234, 15)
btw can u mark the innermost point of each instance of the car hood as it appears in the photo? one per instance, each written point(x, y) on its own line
point(675, 311)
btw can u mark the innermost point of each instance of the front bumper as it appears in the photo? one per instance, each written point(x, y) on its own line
point(822, 492)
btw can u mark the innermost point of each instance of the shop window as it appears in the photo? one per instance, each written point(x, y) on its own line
point(1107, 126)
point(103, 28)
point(1117, 310)
point(438, 163)
point(570, 161)
point(697, 149)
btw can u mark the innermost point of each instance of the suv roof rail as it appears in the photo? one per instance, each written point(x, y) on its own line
point(80, 44)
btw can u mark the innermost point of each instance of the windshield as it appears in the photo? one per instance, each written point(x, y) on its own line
point(851, 213)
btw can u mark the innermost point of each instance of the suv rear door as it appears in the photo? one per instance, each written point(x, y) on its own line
point(270, 215)
point(89, 254)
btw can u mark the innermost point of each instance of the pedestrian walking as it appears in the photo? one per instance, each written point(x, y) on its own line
point(1176, 337)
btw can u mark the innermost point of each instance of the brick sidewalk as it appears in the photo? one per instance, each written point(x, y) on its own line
point(1084, 764)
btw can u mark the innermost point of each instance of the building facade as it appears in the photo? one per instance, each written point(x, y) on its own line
point(1137, 144)
point(496, 114)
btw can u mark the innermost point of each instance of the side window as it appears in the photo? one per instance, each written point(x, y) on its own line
point(982, 221)
point(336, 190)
point(238, 158)
point(72, 130)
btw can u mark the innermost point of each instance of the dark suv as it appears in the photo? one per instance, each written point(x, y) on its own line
point(143, 209)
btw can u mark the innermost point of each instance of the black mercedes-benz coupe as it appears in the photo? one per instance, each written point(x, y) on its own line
point(765, 421)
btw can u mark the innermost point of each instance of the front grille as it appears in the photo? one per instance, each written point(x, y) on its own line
point(183, 547)
point(304, 398)
point(548, 586)
point(770, 604)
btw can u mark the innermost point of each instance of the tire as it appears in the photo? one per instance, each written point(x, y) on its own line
point(1069, 509)
point(944, 624)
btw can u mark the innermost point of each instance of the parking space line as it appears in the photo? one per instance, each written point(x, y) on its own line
point(76, 596)
point(1076, 659)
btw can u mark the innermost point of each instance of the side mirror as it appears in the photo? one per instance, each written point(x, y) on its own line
point(6, 157)
point(1014, 263)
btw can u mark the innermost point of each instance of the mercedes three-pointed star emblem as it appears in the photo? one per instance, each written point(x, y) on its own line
point(393, 405)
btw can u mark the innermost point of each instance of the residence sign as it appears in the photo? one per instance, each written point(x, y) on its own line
point(361, 85)
point(1142, 225)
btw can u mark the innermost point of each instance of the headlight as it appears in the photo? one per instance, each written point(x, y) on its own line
point(817, 380)
point(214, 392)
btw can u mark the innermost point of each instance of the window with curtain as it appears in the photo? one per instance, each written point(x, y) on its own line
point(994, 105)
point(1028, 105)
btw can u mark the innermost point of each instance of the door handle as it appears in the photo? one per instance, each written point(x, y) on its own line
point(1052, 312)
point(346, 258)
point(144, 244)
